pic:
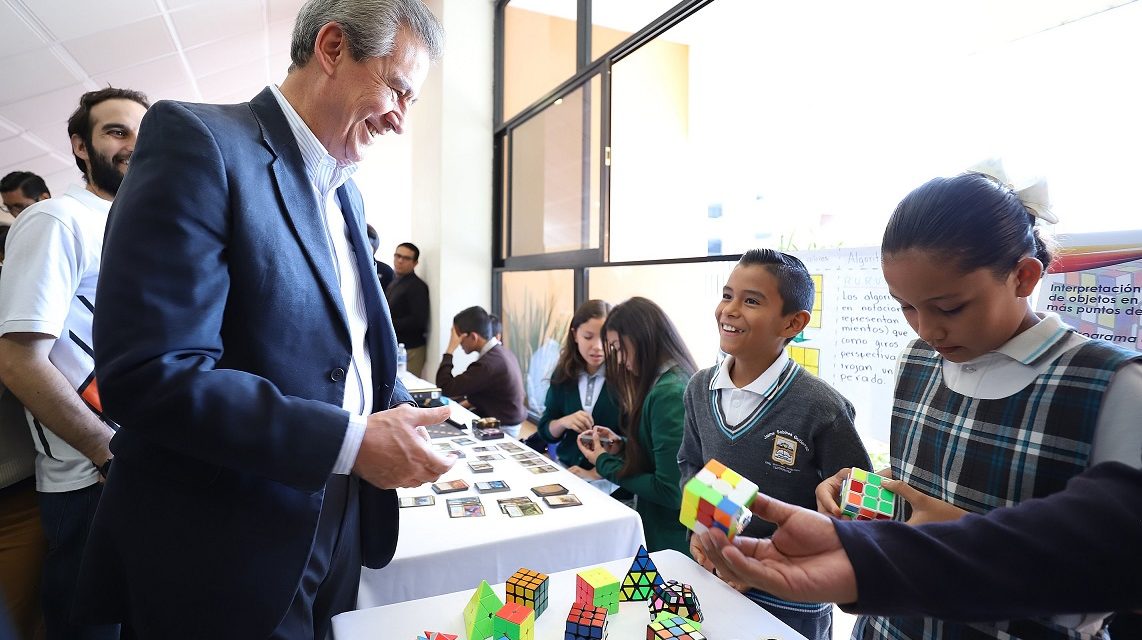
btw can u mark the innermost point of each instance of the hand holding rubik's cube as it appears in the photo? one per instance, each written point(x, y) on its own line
point(717, 497)
point(863, 497)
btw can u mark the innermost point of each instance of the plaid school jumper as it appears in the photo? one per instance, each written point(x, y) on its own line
point(982, 454)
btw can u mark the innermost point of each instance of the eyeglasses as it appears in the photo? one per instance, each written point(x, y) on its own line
point(398, 256)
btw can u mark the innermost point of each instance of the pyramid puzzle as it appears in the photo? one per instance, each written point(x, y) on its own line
point(717, 497)
point(436, 635)
point(598, 587)
point(529, 588)
point(479, 612)
point(671, 627)
point(514, 621)
point(640, 581)
point(676, 598)
point(586, 622)
point(863, 497)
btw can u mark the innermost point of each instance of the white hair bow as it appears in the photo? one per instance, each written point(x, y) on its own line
point(1033, 196)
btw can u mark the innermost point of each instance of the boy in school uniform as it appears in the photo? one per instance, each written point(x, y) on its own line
point(763, 415)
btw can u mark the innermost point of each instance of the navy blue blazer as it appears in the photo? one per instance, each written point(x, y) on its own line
point(221, 346)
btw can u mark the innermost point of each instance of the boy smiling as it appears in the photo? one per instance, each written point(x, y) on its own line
point(764, 416)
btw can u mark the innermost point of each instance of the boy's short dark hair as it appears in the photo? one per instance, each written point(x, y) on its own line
point(793, 280)
point(473, 319)
point(29, 184)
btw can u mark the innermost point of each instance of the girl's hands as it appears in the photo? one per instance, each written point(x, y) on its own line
point(598, 440)
point(586, 474)
point(829, 492)
point(925, 508)
point(578, 422)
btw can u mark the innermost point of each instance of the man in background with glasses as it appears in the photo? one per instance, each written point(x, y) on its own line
point(408, 302)
point(22, 189)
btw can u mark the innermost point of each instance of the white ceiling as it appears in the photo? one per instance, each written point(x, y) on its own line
point(51, 51)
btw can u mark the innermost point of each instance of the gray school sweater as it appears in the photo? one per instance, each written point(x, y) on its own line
point(803, 434)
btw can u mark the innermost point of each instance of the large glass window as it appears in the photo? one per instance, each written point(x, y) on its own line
point(801, 125)
point(554, 169)
point(537, 309)
point(539, 50)
point(687, 292)
point(613, 21)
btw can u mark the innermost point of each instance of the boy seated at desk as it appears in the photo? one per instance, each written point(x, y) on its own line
point(492, 386)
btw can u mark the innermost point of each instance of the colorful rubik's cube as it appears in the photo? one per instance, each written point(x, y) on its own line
point(640, 581)
point(717, 497)
point(598, 587)
point(671, 627)
point(676, 598)
point(862, 497)
point(436, 635)
point(479, 612)
point(514, 621)
point(529, 588)
point(586, 622)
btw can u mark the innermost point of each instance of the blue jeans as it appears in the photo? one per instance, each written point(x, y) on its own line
point(67, 517)
point(814, 621)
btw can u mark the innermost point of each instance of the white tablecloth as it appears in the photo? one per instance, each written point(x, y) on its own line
point(729, 615)
point(436, 554)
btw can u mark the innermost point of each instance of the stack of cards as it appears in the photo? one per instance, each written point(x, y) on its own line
point(492, 486)
point(547, 490)
point(480, 467)
point(519, 507)
point(558, 502)
point(450, 486)
point(469, 507)
point(417, 501)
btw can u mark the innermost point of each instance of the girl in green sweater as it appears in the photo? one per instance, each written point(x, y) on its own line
point(579, 397)
point(648, 366)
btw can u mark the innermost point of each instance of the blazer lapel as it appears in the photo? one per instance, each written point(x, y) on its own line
point(298, 199)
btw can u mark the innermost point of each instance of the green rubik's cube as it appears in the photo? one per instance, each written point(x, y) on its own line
point(480, 611)
point(668, 626)
point(515, 622)
point(717, 497)
point(863, 497)
point(598, 587)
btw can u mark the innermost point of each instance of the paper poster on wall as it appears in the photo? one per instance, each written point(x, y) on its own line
point(1096, 286)
point(856, 335)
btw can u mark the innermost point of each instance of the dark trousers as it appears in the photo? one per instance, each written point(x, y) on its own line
point(67, 517)
point(329, 585)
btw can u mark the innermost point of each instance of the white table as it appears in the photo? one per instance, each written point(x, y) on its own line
point(437, 554)
point(729, 615)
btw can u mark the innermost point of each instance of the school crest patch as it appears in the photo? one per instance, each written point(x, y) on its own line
point(784, 451)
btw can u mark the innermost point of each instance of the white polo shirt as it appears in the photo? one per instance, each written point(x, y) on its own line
point(47, 286)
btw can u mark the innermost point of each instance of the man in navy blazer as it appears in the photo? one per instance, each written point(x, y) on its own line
point(243, 344)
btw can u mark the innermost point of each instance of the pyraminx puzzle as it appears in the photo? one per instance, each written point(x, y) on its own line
point(641, 580)
point(586, 622)
point(436, 635)
point(676, 598)
point(717, 497)
point(529, 588)
point(671, 627)
point(514, 621)
point(598, 587)
point(863, 498)
point(479, 612)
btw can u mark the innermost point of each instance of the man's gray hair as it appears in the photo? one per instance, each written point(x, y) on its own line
point(371, 27)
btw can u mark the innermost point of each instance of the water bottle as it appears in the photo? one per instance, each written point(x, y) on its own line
point(402, 359)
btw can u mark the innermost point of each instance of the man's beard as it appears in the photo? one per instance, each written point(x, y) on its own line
point(104, 174)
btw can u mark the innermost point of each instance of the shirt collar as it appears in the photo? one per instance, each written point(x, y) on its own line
point(762, 384)
point(324, 171)
point(88, 199)
point(601, 371)
point(491, 343)
point(1034, 342)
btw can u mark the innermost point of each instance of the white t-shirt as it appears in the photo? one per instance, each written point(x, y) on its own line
point(47, 286)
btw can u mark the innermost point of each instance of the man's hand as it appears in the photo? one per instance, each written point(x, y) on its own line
point(395, 451)
point(925, 508)
point(453, 341)
point(578, 422)
point(803, 561)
